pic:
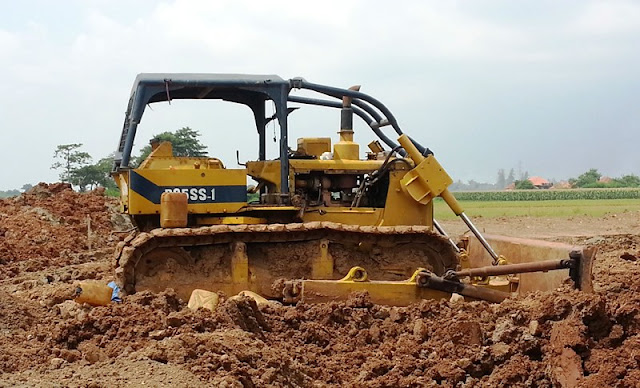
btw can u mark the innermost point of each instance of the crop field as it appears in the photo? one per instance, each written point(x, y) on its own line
point(549, 195)
point(539, 208)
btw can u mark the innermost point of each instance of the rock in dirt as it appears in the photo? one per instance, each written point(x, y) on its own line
point(567, 369)
point(56, 362)
point(456, 298)
point(629, 257)
point(534, 327)
point(92, 353)
point(466, 332)
point(70, 309)
point(203, 299)
point(243, 312)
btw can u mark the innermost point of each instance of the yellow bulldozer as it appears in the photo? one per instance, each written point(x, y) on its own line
point(322, 221)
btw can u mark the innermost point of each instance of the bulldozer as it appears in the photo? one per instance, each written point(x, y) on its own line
point(322, 221)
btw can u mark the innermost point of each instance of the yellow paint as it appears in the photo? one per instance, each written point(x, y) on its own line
point(346, 148)
point(266, 170)
point(231, 220)
point(395, 293)
point(239, 265)
point(315, 146)
point(137, 204)
point(302, 166)
point(408, 199)
point(162, 158)
point(322, 265)
point(345, 215)
point(173, 210)
point(403, 210)
point(426, 181)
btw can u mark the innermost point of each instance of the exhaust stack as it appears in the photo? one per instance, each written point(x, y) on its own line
point(346, 149)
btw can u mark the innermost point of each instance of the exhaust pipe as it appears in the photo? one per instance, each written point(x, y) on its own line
point(346, 149)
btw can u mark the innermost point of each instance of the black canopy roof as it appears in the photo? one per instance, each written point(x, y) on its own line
point(155, 87)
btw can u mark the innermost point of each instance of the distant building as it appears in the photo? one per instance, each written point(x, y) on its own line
point(540, 183)
point(562, 185)
point(605, 179)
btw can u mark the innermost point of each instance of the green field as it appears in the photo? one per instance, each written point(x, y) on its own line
point(556, 208)
point(549, 195)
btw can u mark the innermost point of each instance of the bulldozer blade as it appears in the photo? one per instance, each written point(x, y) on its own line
point(582, 273)
point(390, 293)
point(521, 250)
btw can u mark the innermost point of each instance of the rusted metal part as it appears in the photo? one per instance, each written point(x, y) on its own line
point(521, 250)
point(582, 274)
point(427, 279)
point(540, 266)
point(346, 100)
point(579, 263)
point(387, 237)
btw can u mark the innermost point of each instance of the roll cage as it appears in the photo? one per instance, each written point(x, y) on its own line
point(253, 91)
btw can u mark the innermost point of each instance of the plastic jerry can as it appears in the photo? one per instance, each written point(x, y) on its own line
point(93, 293)
point(173, 210)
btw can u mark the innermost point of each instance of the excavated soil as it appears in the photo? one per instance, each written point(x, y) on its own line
point(52, 237)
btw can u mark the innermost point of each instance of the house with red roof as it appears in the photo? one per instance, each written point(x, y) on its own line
point(540, 183)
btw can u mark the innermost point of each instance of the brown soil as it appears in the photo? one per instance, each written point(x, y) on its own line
point(561, 338)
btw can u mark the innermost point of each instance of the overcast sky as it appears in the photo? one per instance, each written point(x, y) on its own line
point(552, 87)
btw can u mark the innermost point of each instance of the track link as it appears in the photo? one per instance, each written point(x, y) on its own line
point(274, 252)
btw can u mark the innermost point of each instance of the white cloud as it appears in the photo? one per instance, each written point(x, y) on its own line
point(608, 18)
point(8, 43)
point(449, 73)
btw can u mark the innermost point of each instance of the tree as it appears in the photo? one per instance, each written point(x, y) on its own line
point(627, 181)
point(94, 175)
point(104, 166)
point(26, 187)
point(501, 183)
point(69, 158)
point(524, 184)
point(9, 193)
point(587, 179)
point(185, 142)
point(86, 177)
point(511, 178)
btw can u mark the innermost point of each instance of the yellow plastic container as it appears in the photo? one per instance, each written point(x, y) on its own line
point(173, 210)
point(93, 293)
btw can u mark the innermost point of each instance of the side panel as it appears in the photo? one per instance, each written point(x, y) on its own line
point(401, 209)
point(208, 190)
point(345, 215)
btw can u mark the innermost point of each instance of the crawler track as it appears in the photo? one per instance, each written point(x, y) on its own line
point(189, 258)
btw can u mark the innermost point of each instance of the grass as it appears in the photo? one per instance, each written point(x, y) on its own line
point(557, 208)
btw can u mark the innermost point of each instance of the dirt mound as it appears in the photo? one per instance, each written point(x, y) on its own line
point(561, 338)
point(564, 338)
point(49, 225)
